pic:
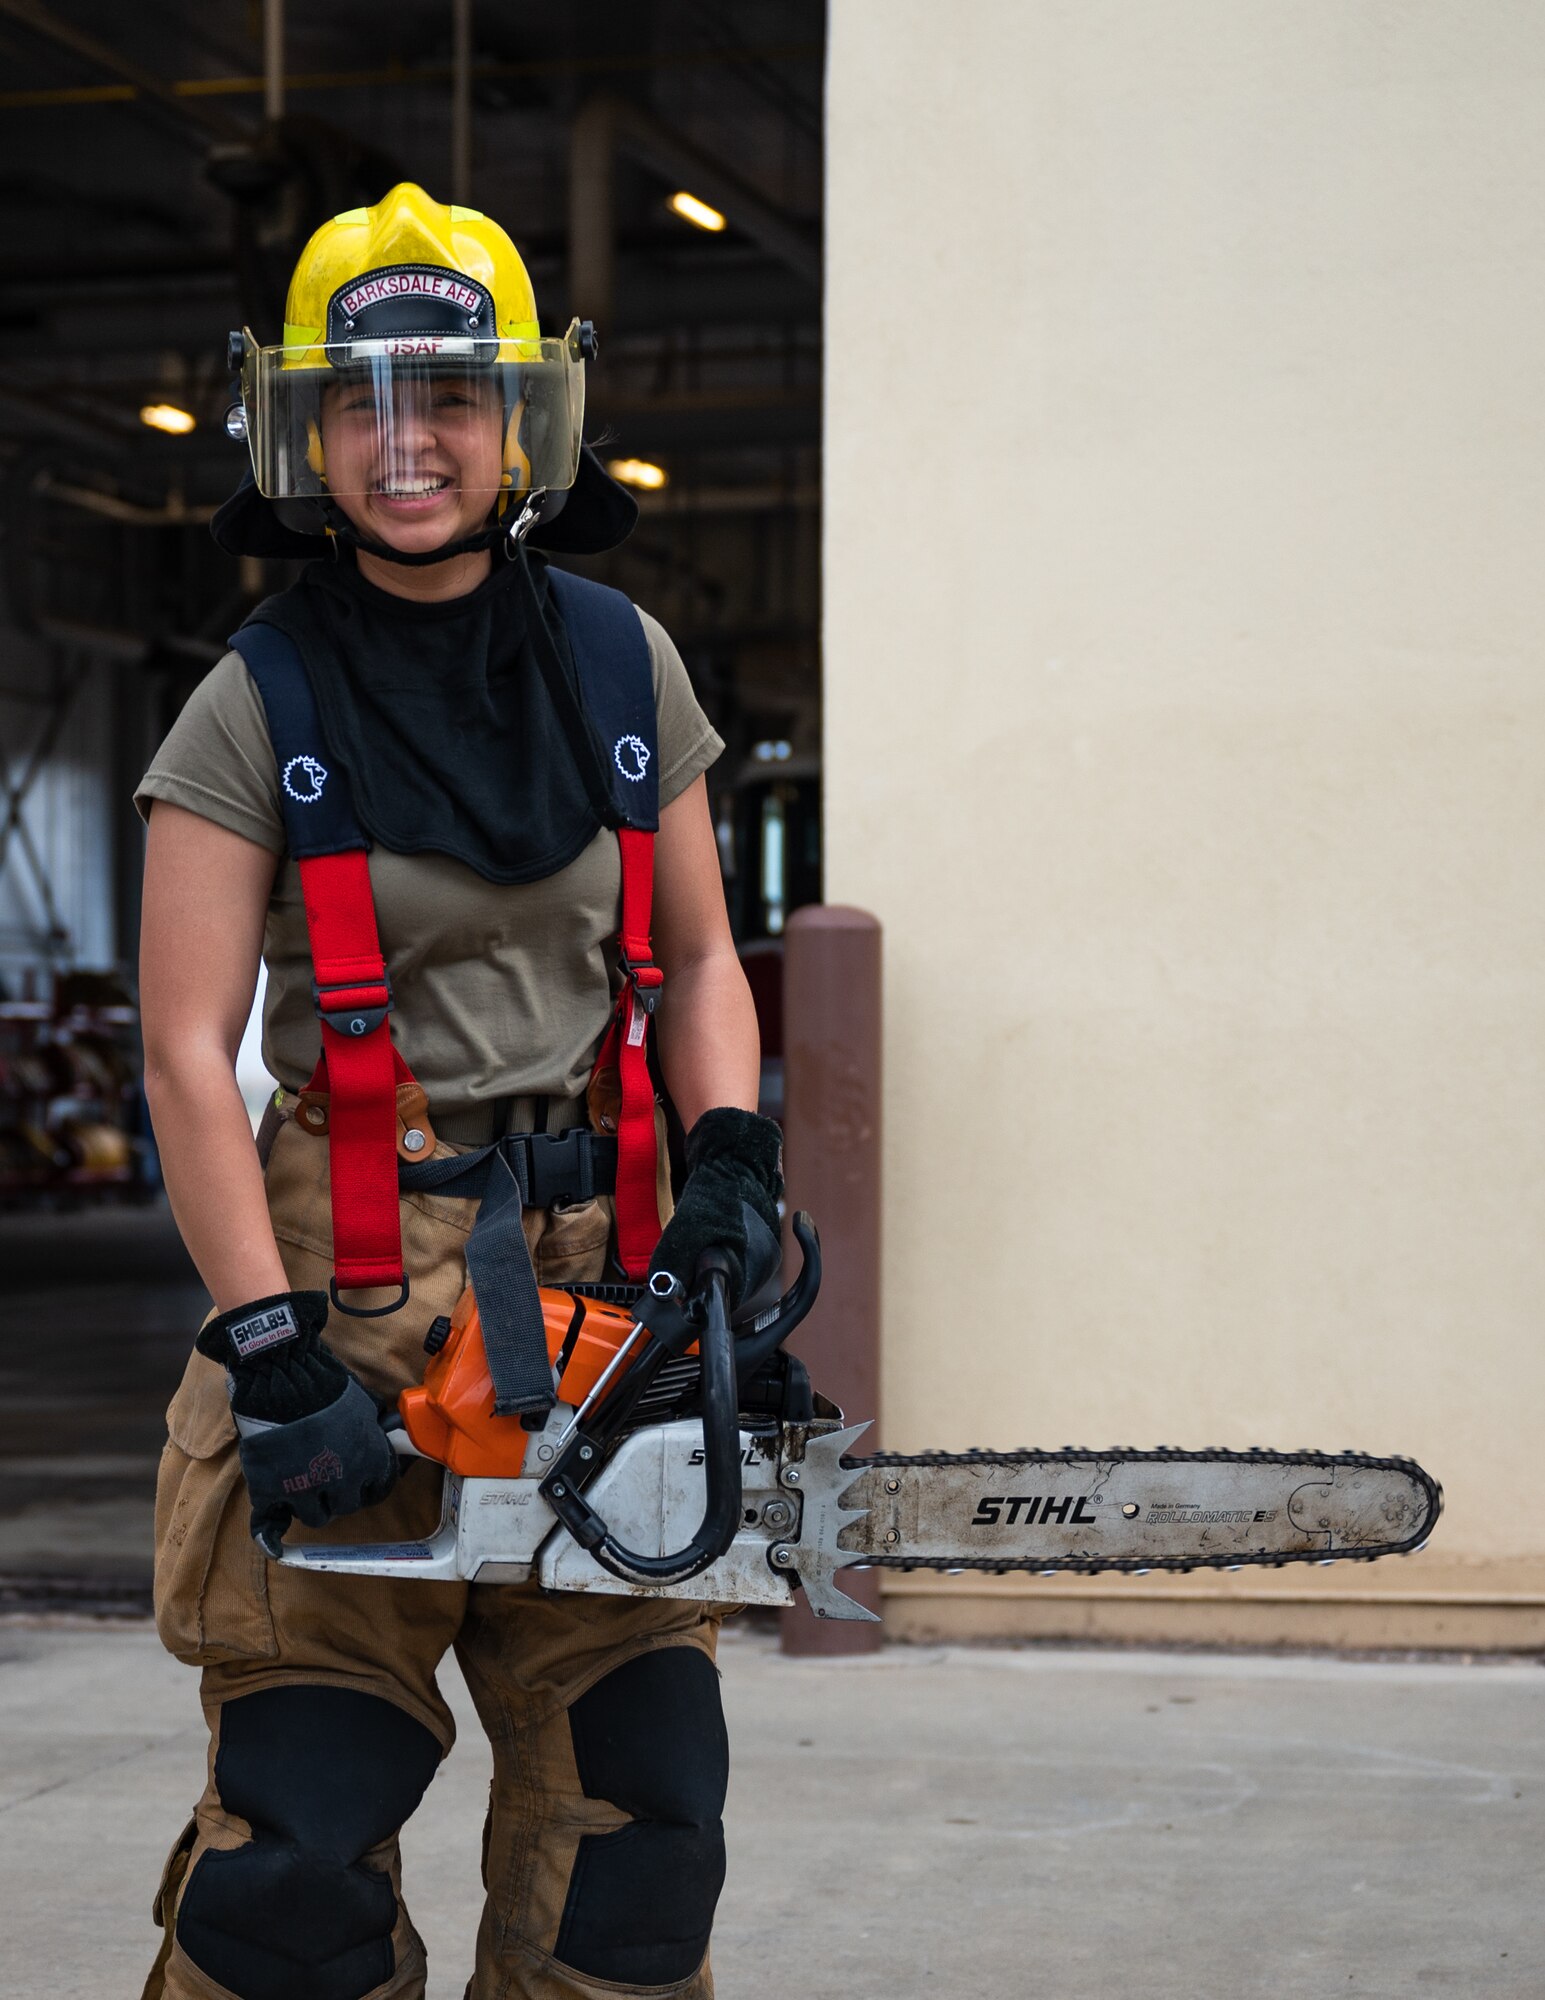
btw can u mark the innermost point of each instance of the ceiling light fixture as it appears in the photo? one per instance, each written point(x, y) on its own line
point(638, 472)
point(167, 417)
point(698, 213)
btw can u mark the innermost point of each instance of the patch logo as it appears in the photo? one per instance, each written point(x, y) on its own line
point(315, 775)
point(326, 1466)
point(264, 1329)
point(421, 284)
point(631, 754)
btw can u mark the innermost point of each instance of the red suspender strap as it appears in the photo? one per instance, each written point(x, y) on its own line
point(626, 1044)
point(359, 1065)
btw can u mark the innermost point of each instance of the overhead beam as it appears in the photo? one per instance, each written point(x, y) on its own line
point(39, 414)
point(713, 419)
point(173, 512)
point(34, 15)
point(607, 126)
point(647, 436)
point(719, 500)
point(109, 643)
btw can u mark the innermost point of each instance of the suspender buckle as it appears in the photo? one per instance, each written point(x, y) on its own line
point(646, 979)
point(353, 1006)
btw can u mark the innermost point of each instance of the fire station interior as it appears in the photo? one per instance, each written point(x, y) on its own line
point(658, 163)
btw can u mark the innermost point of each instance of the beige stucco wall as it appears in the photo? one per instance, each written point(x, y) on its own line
point(1185, 727)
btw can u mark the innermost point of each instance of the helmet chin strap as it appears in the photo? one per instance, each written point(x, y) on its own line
point(343, 530)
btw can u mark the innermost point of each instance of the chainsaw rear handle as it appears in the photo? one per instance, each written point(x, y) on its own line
point(721, 1460)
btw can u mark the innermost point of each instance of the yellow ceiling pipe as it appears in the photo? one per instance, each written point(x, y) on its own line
point(397, 76)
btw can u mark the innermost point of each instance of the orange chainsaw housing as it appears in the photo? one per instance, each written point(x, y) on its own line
point(451, 1416)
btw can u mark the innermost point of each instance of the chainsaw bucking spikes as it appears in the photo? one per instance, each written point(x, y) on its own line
point(825, 1483)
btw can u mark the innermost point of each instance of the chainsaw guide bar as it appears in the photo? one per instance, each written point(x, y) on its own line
point(1087, 1512)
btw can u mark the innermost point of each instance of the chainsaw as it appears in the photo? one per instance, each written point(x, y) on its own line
point(688, 1456)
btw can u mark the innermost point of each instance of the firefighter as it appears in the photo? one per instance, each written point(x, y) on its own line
point(467, 831)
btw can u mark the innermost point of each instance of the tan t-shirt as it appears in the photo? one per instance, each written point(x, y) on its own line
point(501, 990)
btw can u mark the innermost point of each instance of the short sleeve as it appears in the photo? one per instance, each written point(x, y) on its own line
point(689, 742)
point(218, 761)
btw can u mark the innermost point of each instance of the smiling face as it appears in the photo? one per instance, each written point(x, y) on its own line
point(417, 465)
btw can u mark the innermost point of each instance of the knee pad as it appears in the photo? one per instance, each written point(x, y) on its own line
point(649, 1738)
point(321, 1775)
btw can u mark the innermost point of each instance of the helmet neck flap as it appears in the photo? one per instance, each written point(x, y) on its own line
point(592, 516)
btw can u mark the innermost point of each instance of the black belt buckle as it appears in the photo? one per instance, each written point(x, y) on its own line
point(575, 1166)
point(560, 1167)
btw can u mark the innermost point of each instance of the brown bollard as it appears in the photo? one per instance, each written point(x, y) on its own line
point(831, 1085)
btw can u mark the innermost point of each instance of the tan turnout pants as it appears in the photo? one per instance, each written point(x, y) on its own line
point(602, 1848)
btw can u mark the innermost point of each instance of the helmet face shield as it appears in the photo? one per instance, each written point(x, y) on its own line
point(414, 415)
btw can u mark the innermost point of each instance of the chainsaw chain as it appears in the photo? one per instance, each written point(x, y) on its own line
point(1162, 1455)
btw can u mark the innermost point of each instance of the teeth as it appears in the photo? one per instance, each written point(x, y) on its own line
point(414, 489)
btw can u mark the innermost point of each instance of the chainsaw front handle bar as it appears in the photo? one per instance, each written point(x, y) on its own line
point(758, 1342)
point(721, 1460)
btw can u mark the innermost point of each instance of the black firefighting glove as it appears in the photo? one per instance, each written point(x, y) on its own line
point(312, 1446)
point(729, 1201)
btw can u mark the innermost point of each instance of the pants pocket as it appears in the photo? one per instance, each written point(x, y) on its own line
point(568, 1245)
point(211, 1579)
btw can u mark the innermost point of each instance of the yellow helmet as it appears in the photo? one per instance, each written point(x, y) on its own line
point(388, 297)
point(395, 253)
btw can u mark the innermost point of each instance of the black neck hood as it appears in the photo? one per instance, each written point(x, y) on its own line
point(439, 715)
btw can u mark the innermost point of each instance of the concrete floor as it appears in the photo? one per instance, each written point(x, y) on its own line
point(1015, 1825)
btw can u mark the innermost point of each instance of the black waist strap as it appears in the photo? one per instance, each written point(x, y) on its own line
point(549, 1167)
point(522, 1170)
